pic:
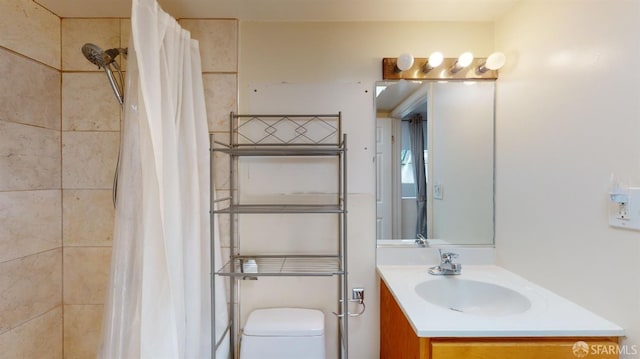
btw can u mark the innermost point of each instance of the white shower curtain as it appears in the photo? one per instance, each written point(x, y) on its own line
point(158, 302)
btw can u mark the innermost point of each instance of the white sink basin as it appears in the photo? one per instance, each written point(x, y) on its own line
point(493, 303)
point(473, 297)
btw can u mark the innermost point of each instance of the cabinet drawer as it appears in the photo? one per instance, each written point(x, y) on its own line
point(525, 348)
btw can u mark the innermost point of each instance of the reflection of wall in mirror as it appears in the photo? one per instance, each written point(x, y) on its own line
point(463, 162)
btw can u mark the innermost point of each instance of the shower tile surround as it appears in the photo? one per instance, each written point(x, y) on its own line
point(59, 135)
point(90, 139)
point(30, 182)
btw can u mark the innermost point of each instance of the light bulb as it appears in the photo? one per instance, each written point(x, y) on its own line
point(465, 59)
point(435, 59)
point(404, 62)
point(495, 61)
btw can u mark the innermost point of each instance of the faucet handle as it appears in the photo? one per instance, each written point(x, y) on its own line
point(448, 256)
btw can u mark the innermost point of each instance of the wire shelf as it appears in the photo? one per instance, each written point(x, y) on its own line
point(286, 265)
point(282, 208)
point(275, 150)
point(292, 136)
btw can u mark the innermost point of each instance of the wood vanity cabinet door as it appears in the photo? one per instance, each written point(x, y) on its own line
point(520, 348)
point(397, 338)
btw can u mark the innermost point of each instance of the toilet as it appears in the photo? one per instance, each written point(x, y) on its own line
point(283, 333)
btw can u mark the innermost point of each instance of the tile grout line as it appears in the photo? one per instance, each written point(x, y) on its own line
point(25, 56)
point(20, 324)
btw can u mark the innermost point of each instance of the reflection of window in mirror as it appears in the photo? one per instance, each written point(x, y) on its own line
point(411, 208)
point(407, 177)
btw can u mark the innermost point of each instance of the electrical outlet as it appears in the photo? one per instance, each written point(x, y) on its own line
point(624, 209)
point(622, 212)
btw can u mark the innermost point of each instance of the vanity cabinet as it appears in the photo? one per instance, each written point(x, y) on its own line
point(398, 340)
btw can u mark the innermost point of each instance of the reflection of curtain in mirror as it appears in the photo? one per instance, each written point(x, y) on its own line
point(417, 149)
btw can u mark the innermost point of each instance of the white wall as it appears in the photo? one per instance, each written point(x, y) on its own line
point(568, 117)
point(325, 55)
point(310, 180)
point(346, 51)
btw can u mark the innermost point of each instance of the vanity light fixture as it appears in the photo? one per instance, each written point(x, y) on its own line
point(435, 60)
point(440, 68)
point(464, 60)
point(495, 61)
point(404, 62)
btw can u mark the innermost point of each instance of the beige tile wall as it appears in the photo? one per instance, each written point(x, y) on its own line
point(31, 30)
point(105, 33)
point(59, 135)
point(40, 338)
point(90, 140)
point(30, 181)
point(219, 54)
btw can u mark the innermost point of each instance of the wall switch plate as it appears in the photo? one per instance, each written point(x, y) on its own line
point(624, 211)
point(437, 191)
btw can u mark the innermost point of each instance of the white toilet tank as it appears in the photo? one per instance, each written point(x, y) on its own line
point(283, 333)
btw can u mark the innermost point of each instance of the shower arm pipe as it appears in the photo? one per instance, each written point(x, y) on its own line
point(116, 85)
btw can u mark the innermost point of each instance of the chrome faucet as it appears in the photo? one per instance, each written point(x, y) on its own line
point(446, 266)
point(421, 241)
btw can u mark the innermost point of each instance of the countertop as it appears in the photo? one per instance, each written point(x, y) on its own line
point(549, 314)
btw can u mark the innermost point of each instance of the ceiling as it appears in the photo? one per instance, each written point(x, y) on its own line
point(390, 94)
point(297, 10)
point(400, 98)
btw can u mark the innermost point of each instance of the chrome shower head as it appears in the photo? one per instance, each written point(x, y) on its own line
point(107, 60)
point(96, 56)
point(101, 58)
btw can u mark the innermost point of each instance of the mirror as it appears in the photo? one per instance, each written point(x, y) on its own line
point(451, 200)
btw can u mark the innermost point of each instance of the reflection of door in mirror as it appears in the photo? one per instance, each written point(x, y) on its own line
point(401, 153)
point(384, 178)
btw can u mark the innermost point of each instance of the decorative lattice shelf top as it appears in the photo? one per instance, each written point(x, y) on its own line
point(270, 130)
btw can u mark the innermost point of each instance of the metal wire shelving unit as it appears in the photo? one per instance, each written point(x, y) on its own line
point(282, 136)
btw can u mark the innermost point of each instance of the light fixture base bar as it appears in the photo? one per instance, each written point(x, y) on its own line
point(389, 70)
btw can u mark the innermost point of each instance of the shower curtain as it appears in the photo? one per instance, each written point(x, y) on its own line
point(159, 298)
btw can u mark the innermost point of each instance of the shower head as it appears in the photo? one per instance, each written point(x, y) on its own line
point(101, 58)
point(107, 60)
